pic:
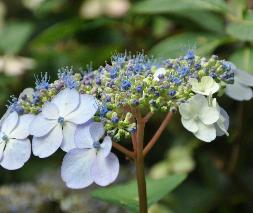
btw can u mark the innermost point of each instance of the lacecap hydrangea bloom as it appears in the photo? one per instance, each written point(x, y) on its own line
point(79, 109)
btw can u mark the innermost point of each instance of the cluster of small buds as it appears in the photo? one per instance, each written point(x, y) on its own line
point(130, 81)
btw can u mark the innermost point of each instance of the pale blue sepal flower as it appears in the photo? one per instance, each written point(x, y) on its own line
point(241, 89)
point(92, 161)
point(15, 147)
point(200, 118)
point(55, 126)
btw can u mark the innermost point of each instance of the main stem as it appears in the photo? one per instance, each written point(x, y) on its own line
point(139, 163)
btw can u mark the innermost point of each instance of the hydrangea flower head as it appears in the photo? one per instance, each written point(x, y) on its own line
point(55, 126)
point(15, 147)
point(92, 161)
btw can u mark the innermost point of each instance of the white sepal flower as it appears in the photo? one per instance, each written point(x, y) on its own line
point(203, 119)
point(207, 85)
point(241, 89)
point(15, 147)
point(91, 161)
point(55, 126)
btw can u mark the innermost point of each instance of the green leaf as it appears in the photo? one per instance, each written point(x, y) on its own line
point(242, 30)
point(58, 31)
point(205, 19)
point(126, 195)
point(175, 46)
point(14, 36)
point(165, 6)
point(243, 59)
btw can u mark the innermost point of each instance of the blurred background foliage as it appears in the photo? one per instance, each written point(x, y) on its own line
point(43, 35)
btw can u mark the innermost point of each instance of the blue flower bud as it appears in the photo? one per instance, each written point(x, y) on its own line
point(125, 85)
point(139, 89)
point(115, 119)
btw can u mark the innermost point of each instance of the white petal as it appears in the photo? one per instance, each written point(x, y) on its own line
point(47, 145)
point(97, 130)
point(85, 111)
point(244, 78)
point(40, 126)
point(190, 125)
point(68, 142)
point(10, 123)
point(223, 123)
point(106, 147)
point(5, 116)
point(22, 129)
point(206, 133)
point(239, 92)
point(50, 111)
point(76, 168)
point(105, 170)
point(16, 153)
point(66, 101)
point(209, 115)
point(83, 137)
point(2, 146)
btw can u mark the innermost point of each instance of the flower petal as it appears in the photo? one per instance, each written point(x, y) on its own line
point(22, 129)
point(68, 142)
point(206, 133)
point(66, 101)
point(50, 111)
point(76, 168)
point(40, 126)
point(209, 115)
point(190, 125)
point(105, 170)
point(83, 137)
point(106, 147)
point(48, 144)
point(239, 92)
point(244, 78)
point(85, 111)
point(10, 123)
point(16, 153)
point(6, 114)
point(2, 146)
point(222, 124)
point(97, 130)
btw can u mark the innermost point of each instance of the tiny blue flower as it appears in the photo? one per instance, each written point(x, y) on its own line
point(66, 75)
point(189, 55)
point(103, 110)
point(115, 119)
point(176, 80)
point(126, 85)
point(42, 82)
point(172, 93)
point(139, 88)
point(197, 66)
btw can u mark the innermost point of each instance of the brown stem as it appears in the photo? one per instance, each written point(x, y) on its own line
point(123, 150)
point(158, 133)
point(139, 163)
point(134, 142)
point(148, 116)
